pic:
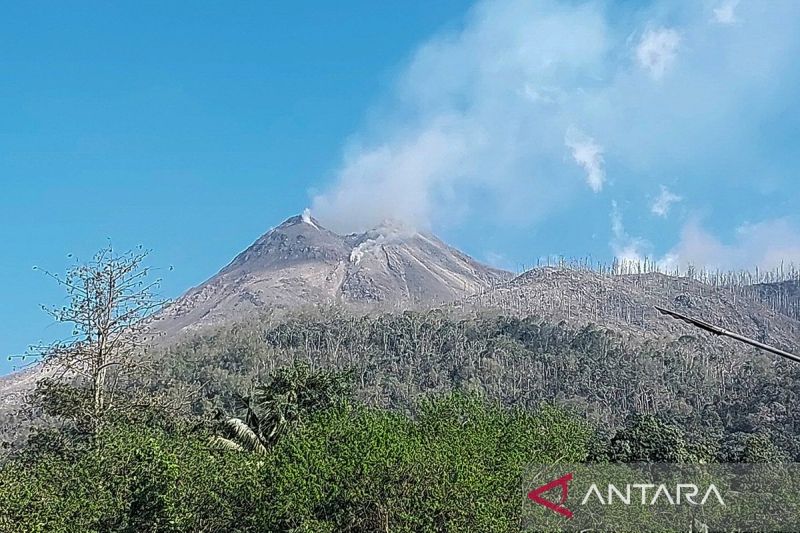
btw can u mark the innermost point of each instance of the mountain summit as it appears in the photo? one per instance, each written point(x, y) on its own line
point(300, 262)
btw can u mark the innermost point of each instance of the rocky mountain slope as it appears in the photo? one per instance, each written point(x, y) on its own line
point(782, 296)
point(391, 267)
point(626, 303)
point(301, 263)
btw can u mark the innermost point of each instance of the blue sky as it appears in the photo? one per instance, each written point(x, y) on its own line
point(515, 130)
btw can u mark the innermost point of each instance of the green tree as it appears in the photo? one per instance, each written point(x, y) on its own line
point(134, 477)
point(457, 465)
point(647, 438)
point(287, 398)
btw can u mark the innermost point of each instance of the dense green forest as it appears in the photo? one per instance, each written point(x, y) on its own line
point(456, 465)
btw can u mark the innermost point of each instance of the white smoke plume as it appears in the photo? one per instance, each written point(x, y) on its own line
point(626, 248)
point(474, 112)
point(658, 50)
point(663, 202)
point(476, 121)
point(766, 245)
point(589, 155)
point(306, 217)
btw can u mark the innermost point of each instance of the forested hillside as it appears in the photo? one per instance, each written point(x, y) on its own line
point(327, 419)
point(417, 421)
point(697, 381)
point(455, 466)
point(408, 422)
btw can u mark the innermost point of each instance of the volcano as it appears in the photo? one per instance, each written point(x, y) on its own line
point(301, 263)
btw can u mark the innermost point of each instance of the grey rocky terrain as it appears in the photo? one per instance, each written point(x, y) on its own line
point(626, 303)
point(300, 263)
point(390, 268)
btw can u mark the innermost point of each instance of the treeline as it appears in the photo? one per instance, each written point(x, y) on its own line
point(307, 456)
point(778, 288)
point(724, 390)
point(326, 421)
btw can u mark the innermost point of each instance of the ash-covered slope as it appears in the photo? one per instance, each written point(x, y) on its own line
point(301, 263)
point(781, 296)
point(625, 303)
point(394, 264)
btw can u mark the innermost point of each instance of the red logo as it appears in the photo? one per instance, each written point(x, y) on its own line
point(536, 495)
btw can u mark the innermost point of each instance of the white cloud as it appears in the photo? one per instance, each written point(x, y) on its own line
point(475, 113)
point(474, 124)
point(663, 202)
point(658, 50)
point(766, 245)
point(725, 13)
point(589, 155)
point(626, 248)
point(401, 179)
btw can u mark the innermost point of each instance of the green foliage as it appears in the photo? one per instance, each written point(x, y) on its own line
point(751, 448)
point(133, 478)
point(291, 394)
point(283, 402)
point(455, 465)
point(64, 400)
point(401, 452)
point(397, 358)
point(649, 439)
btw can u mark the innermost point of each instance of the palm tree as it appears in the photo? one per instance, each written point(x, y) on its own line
point(243, 435)
point(286, 400)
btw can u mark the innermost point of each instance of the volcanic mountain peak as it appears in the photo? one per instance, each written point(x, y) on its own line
point(300, 262)
point(298, 239)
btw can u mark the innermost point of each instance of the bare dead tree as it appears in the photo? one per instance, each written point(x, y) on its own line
point(110, 301)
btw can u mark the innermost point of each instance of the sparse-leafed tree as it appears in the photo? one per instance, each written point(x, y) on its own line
point(110, 301)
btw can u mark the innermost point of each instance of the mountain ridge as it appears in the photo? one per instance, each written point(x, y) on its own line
point(393, 267)
point(626, 302)
point(300, 262)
